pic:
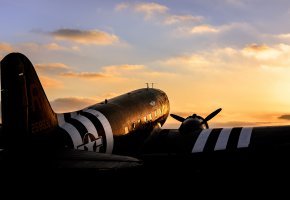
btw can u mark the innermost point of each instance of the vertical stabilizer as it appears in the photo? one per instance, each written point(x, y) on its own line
point(26, 110)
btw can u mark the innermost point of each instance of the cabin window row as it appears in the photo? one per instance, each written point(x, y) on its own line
point(146, 118)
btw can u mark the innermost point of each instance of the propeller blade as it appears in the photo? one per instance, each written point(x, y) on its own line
point(213, 114)
point(178, 118)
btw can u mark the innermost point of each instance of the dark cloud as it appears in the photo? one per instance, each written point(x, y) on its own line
point(256, 47)
point(52, 68)
point(95, 37)
point(69, 104)
point(286, 117)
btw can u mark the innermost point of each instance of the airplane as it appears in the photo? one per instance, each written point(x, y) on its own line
point(124, 132)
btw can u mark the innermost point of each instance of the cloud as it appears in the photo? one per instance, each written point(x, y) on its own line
point(154, 9)
point(133, 71)
point(85, 75)
point(119, 72)
point(54, 47)
point(256, 48)
point(33, 46)
point(223, 31)
point(69, 104)
point(49, 82)
point(190, 60)
point(90, 37)
point(122, 6)
point(117, 69)
point(252, 55)
point(150, 9)
point(5, 47)
point(201, 30)
point(283, 36)
point(161, 15)
point(261, 52)
point(112, 71)
point(158, 74)
point(278, 53)
point(174, 19)
point(213, 59)
point(52, 67)
point(286, 117)
point(204, 29)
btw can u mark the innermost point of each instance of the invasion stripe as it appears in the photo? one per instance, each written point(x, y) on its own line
point(60, 119)
point(212, 139)
point(233, 139)
point(245, 137)
point(71, 130)
point(99, 127)
point(88, 125)
point(223, 138)
point(107, 128)
point(76, 123)
point(201, 140)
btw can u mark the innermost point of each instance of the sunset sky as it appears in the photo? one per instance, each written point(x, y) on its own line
point(205, 54)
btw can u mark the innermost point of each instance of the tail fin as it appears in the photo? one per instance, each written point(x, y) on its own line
point(25, 108)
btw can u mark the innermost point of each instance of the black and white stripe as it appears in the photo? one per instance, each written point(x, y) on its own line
point(221, 143)
point(98, 127)
point(77, 124)
point(71, 130)
point(222, 139)
point(106, 126)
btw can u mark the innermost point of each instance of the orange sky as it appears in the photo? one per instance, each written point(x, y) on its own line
point(234, 54)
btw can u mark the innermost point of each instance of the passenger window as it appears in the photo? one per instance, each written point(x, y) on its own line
point(150, 116)
point(126, 130)
point(159, 111)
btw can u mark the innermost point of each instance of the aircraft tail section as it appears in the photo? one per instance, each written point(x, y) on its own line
point(26, 110)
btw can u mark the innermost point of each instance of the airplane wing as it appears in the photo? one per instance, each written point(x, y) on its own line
point(93, 160)
point(246, 151)
point(67, 159)
point(251, 139)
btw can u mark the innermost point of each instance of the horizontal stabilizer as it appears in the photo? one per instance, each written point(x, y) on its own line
point(93, 160)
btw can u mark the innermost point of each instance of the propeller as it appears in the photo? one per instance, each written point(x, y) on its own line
point(212, 115)
point(178, 118)
point(194, 121)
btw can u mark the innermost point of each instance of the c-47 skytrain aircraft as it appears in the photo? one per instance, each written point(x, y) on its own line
point(119, 133)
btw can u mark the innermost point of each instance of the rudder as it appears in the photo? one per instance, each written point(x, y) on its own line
point(26, 110)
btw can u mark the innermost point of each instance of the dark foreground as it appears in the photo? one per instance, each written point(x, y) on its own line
point(262, 172)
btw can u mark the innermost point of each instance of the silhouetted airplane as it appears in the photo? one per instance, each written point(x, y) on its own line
point(113, 133)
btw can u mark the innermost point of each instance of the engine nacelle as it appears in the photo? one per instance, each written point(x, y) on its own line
point(193, 123)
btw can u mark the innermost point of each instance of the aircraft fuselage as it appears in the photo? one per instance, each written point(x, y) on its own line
point(119, 125)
